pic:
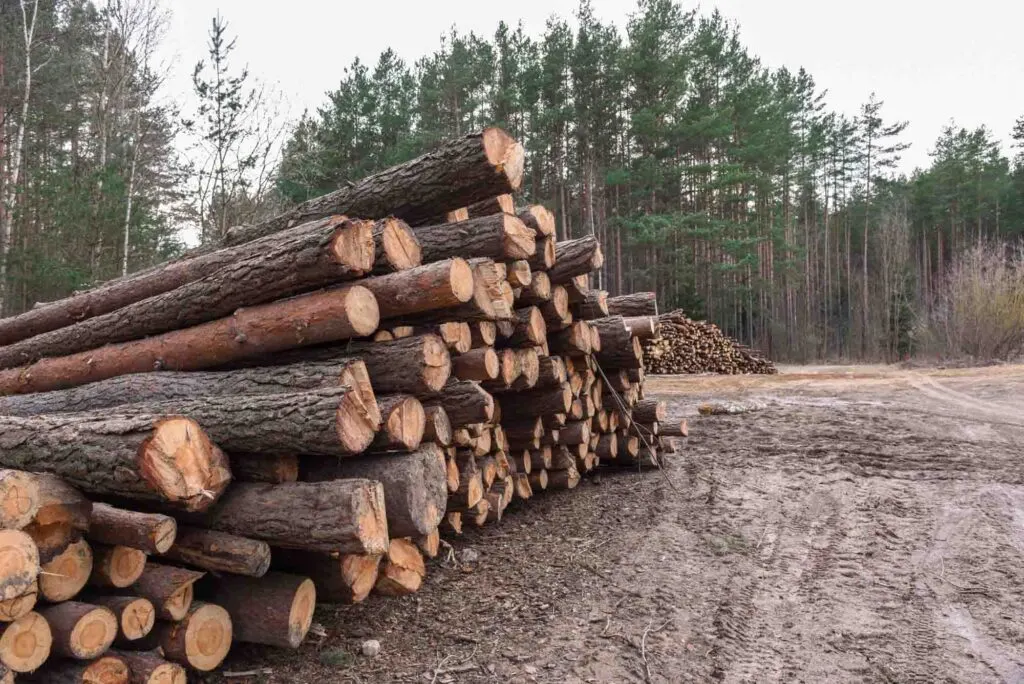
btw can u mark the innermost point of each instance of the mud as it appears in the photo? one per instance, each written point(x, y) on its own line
point(865, 524)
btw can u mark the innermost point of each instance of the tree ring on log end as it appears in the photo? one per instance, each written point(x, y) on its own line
point(352, 245)
point(108, 670)
point(400, 244)
point(137, 619)
point(208, 637)
point(355, 427)
point(407, 422)
point(300, 617)
point(460, 277)
point(177, 605)
point(180, 462)
point(64, 576)
point(437, 362)
point(19, 564)
point(93, 633)
point(25, 644)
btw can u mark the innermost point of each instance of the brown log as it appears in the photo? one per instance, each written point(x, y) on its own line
point(546, 254)
point(150, 668)
point(438, 285)
point(437, 428)
point(500, 204)
point(453, 216)
point(429, 544)
point(523, 490)
point(13, 608)
point(401, 331)
point(550, 372)
point(19, 499)
point(275, 610)
point(149, 532)
point(462, 171)
point(628, 355)
point(528, 430)
point(498, 236)
point(556, 310)
point(574, 258)
point(541, 459)
point(478, 514)
point(600, 422)
point(594, 305)
point(61, 517)
point(395, 246)
point(415, 485)
point(201, 639)
point(80, 630)
point(483, 333)
point(607, 447)
point(452, 476)
point(529, 328)
point(477, 364)
point(650, 411)
point(116, 566)
point(383, 336)
point(488, 471)
point(305, 262)
point(538, 480)
point(220, 552)
point(564, 479)
point(135, 615)
point(553, 420)
point(487, 302)
point(537, 292)
point(536, 402)
point(270, 468)
point(452, 523)
point(642, 327)
point(529, 364)
point(636, 375)
point(471, 490)
point(465, 402)
point(575, 432)
point(168, 588)
point(456, 335)
point(25, 643)
point(575, 339)
point(564, 457)
point(403, 425)
point(19, 571)
point(511, 369)
point(674, 428)
point(402, 570)
point(64, 576)
point(549, 438)
point(339, 578)
point(108, 669)
point(629, 446)
point(304, 320)
point(635, 304)
point(539, 219)
point(519, 273)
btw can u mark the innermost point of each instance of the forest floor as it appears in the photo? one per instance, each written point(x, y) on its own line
point(863, 524)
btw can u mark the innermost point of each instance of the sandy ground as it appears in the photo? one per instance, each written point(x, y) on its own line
point(864, 524)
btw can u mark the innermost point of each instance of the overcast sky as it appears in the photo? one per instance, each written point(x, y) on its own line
point(930, 61)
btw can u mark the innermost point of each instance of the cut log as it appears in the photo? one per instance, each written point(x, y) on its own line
point(304, 320)
point(456, 335)
point(149, 532)
point(135, 615)
point(536, 402)
point(538, 480)
point(343, 515)
point(402, 571)
point(540, 459)
point(574, 258)
point(453, 216)
point(650, 411)
point(395, 246)
point(438, 285)
point(629, 355)
point(483, 333)
point(19, 499)
point(150, 668)
point(519, 273)
point(556, 310)
point(594, 305)
point(607, 447)
point(429, 544)
point(400, 331)
point(500, 204)
point(168, 588)
point(274, 610)
point(107, 669)
point(61, 518)
point(564, 479)
point(573, 340)
point(13, 608)
point(20, 567)
point(403, 426)
point(465, 401)
point(469, 494)
point(546, 254)
point(537, 292)
point(476, 364)
point(437, 428)
point(25, 643)
point(220, 552)
point(487, 303)
point(575, 432)
point(64, 576)
point(305, 262)
point(116, 566)
point(636, 304)
point(529, 363)
point(462, 171)
point(452, 523)
point(201, 639)
point(452, 477)
point(539, 219)
point(478, 514)
point(523, 490)
point(674, 428)
point(415, 485)
point(270, 468)
point(642, 327)
point(82, 631)
point(529, 328)
point(550, 372)
point(339, 578)
point(498, 236)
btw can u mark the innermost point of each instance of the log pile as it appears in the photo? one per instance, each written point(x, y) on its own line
point(196, 454)
point(683, 345)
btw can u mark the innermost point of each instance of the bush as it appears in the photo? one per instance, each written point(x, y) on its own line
point(979, 309)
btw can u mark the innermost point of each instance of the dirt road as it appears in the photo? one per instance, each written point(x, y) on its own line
point(866, 524)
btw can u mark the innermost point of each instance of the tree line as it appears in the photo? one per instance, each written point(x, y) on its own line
point(725, 185)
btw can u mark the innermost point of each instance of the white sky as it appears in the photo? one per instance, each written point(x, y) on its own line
point(930, 61)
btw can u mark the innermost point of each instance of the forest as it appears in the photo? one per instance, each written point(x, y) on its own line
point(723, 183)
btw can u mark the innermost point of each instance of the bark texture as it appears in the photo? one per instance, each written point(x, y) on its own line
point(574, 258)
point(498, 236)
point(149, 532)
point(220, 552)
point(636, 304)
point(275, 610)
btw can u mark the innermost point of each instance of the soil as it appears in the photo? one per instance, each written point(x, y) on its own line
point(858, 524)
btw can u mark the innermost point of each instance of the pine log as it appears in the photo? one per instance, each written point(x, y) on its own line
point(575, 432)
point(402, 571)
point(479, 514)
point(108, 669)
point(628, 355)
point(541, 459)
point(550, 437)
point(269, 468)
point(556, 310)
point(476, 364)
point(498, 236)
point(564, 479)
point(429, 544)
point(488, 471)
point(642, 327)
point(150, 668)
point(438, 285)
point(523, 490)
point(452, 523)
point(341, 515)
point(437, 428)
point(574, 258)
point(636, 304)
point(538, 480)
point(607, 447)
point(537, 292)
point(61, 517)
point(573, 340)
point(550, 372)
point(536, 402)
point(500, 204)
point(465, 402)
point(403, 425)
point(553, 420)
point(650, 411)
point(674, 428)
point(529, 364)
point(80, 630)
point(339, 578)
point(461, 171)
point(200, 640)
point(483, 333)
point(469, 494)
point(383, 336)
point(452, 477)
point(306, 262)
point(395, 246)
point(116, 566)
point(304, 320)
point(19, 499)
point(456, 335)
point(511, 369)
point(453, 216)
point(539, 219)
point(135, 615)
point(529, 328)
point(546, 255)
point(220, 552)
point(519, 273)
point(415, 485)
point(149, 532)
point(526, 431)
point(168, 588)
point(400, 331)
point(20, 567)
point(486, 304)
point(13, 608)
point(275, 610)
point(594, 305)
point(25, 643)
point(64, 576)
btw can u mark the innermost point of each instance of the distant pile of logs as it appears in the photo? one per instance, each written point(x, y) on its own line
point(683, 345)
point(293, 417)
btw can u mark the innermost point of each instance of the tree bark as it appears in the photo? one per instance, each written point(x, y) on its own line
point(465, 402)
point(265, 468)
point(342, 515)
point(200, 639)
point(483, 333)
point(61, 518)
point(537, 292)
point(433, 286)
point(404, 422)
point(150, 668)
point(486, 304)
point(275, 610)
point(499, 236)
point(19, 499)
point(545, 254)
point(636, 304)
point(168, 588)
point(415, 489)
point(461, 171)
point(437, 428)
point(627, 355)
point(149, 532)
point(574, 340)
point(525, 405)
point(80, 630)
point(477, 364)
point(564, 479)
point(300, 321)
point(395, 246)
point(539, 218)
point(135, 615)
point(220, 552)
point(339, 578)
point(500, 204)
point(574, 258)
point(650, 411)
point(594, 305)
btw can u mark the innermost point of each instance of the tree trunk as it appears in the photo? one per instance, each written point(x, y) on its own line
point(433, 286)
point(133, 454)
point(642, 327)
point(339, 578)
point(342, 515)
point(499, 236)
point(628, 355)
point(545, 254)
point(500, 204)
point(200, 640)
point(556, 310)
point(80, 630)
point(220, 552)
point(537, 402)
point(404, 421)
point(149, 532)
point(396, 246)
point(465, 402)
point(61, 518)
point(168, 588)
point(135, 615)
point(275, 610)
point(415, 488)
point(564, 479)
point(306, 262)
point(301, 321)
point(519, 273)
point(19, 499)
point(650, 411)
point(636, 304)
point(529, 328)
point(574, 340)
point(537, 292)
point(116, 567)
point(460, 172)
point(150, 668)
point(486, 304)
point(574, 258)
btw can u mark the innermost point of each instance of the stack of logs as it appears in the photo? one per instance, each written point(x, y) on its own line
point(200, 452)
point(683, 345)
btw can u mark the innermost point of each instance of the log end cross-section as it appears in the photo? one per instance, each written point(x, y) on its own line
point(180, 462)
